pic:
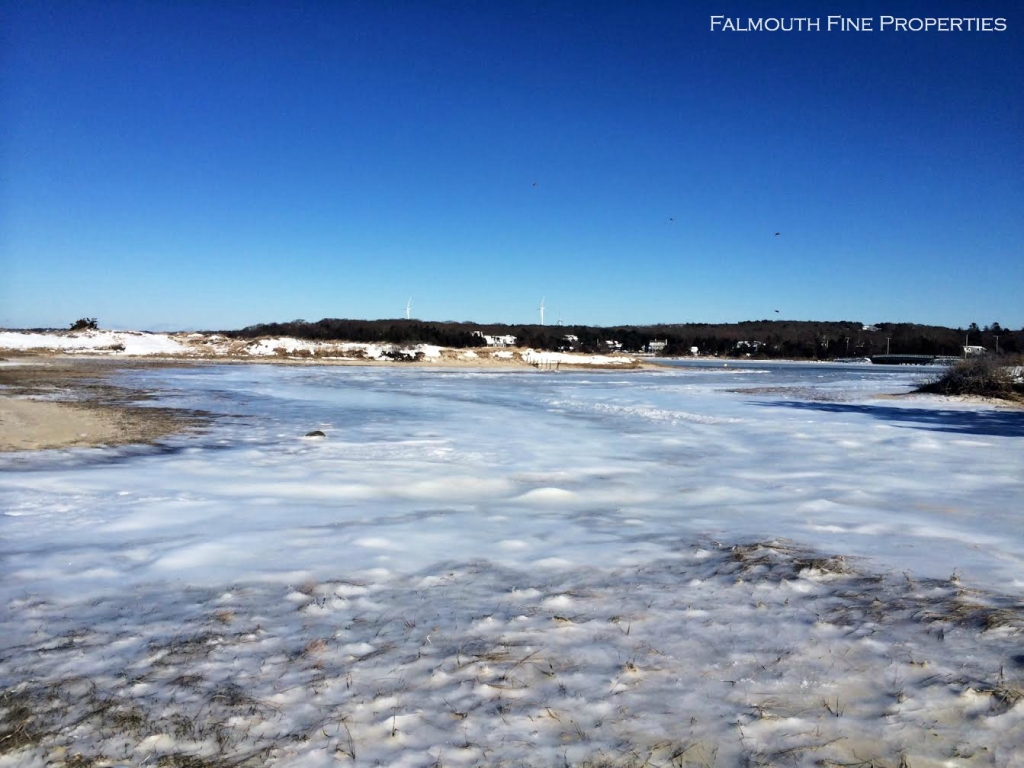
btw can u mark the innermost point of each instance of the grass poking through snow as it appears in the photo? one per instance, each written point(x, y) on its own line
point(756, 654)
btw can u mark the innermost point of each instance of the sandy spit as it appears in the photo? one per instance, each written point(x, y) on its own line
point(31, 424)
point(67, 403)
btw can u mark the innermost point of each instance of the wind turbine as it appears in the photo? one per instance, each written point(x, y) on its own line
point(408, 308)
point(541, 308)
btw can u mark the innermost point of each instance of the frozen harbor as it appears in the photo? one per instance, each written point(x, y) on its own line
point(525, 470)
point(480, 567)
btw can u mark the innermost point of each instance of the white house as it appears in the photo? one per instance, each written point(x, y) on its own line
point(973, 350)
point(656, 345)
point(496, 341)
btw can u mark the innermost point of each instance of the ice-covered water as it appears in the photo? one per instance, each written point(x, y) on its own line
point(525, 469)
point(479, 567)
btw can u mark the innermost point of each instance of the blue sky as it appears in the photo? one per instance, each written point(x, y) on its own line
point(172, 165)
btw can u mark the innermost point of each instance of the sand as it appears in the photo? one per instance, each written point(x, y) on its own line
point(66, 403)
point(31, 424)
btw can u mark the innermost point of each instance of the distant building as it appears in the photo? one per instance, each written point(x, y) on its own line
point(694, 351)
point(869, 327)
point(613, 344)
point(570, 339)
point(655, 345)
point(754, 345)
point(973, 350)
point(496, 341)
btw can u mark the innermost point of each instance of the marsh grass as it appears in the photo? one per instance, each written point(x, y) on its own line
point(20, 725)
point(194, 695)
point(777, 560)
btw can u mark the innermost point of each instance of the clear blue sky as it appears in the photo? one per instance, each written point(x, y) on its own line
point(215, 164)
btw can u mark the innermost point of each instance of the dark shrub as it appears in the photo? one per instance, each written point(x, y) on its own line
point(979, 375)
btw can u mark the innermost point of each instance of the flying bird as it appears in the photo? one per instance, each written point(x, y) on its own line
point(776, 311)
point(671, 220)
point(777, 234)
point(535, 183)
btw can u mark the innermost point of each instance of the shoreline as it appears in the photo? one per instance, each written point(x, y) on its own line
point(33, 425)
point(54, 403)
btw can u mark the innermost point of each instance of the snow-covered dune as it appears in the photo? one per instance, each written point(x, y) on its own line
point(96, 342)
point(185, 345)
point(547, 359)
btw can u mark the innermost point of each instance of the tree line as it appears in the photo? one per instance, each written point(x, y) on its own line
point(755, 338)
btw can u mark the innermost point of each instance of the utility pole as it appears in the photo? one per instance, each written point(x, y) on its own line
point(997, 345)
point(887, 344)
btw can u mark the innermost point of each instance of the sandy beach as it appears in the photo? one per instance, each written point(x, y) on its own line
point(68, 402)
point(29, 424)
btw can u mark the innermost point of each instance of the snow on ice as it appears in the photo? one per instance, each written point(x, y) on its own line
point(762, 564)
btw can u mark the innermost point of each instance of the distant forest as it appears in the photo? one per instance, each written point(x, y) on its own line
point(755, 338)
